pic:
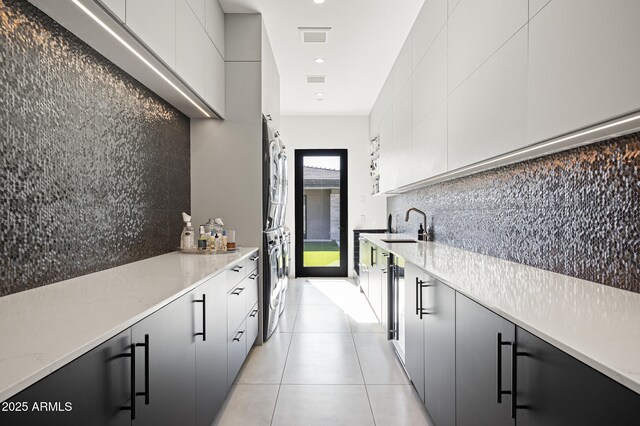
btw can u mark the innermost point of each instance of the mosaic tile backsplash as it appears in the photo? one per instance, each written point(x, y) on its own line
point(576, 212)
point(94, 168)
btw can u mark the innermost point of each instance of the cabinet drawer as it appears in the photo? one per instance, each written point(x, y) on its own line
point(253, 261)
point(236, 307)
point(236, 352)
point(252, 326)
point(251, 283)
point(235, 274)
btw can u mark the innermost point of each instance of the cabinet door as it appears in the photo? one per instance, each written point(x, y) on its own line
point(595, 68)
point(557, 389)
point(414, 341)
point(477, 353)
point(171, 369)
point(191, 47)
point(154, 22)
point(90, 390)
point(236, 352)
point(214, 20)
point(211, 348)
point(214, 78)
point(439, 304)
point(118, 7)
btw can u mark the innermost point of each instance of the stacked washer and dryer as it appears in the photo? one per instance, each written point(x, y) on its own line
point(276, 236)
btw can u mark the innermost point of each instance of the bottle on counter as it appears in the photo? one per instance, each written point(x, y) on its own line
point(202, 239)
point(186, 238)
point(224, 240)
point(218, 243)
point(421, 234)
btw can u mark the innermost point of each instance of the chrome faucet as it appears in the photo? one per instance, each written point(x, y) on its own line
point(424, 220)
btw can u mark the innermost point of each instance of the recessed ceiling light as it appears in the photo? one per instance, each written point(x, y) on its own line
point(318, 60)
point(319, 99)
point(319, 94)
point(318, 1)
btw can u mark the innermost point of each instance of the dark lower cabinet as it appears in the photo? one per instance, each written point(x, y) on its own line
point(414, 354)
point(168, 374)
point(439, 316)
point(553, 388)
point(483, 365)
point(91, 390)
point(211, 348)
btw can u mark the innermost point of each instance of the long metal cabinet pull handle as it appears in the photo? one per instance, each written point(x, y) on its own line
point(146, 369)
point(204, 317)
point(499, 349)
point(419, 286)
point(132, 355)
point(417, 296)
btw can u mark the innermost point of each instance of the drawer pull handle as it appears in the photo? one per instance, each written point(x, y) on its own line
point(237, 291)
point(254, 258)
point(236, 269)
point(253, 276)
point(238, 336)
point(253, 313)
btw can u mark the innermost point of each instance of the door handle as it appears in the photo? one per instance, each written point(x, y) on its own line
point(204, 320)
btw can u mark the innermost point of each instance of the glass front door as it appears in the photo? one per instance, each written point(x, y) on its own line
point(321, 187)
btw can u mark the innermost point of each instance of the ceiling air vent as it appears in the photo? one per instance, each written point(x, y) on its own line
point(315, 78)
point(314, 34)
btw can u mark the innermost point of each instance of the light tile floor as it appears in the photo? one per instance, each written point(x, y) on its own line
point(328, 363)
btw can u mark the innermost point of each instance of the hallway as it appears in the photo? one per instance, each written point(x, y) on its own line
point(328, 363)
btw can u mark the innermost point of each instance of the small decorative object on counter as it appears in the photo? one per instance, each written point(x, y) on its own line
point(421, 234)
point(202, 239)
point(231, 239)
point(186, 238)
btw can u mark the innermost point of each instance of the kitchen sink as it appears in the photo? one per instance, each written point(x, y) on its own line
point(399, 241)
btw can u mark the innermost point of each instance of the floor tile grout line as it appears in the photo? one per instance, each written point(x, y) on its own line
point(364, 382)
point(273, 414)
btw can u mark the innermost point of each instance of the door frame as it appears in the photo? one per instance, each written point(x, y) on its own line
point(321, 271)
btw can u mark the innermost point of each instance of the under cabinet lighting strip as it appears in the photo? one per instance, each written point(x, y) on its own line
point(132, 50)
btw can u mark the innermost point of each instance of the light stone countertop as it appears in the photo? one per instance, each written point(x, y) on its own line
point(44, 328)
point(595, 323)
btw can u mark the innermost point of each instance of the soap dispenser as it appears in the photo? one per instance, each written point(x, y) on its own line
point(421, 235)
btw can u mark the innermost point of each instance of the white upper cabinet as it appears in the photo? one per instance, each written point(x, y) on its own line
point(487, 113)
point(402, 137)
point(214, 79)
point(214, 23)
point(192, 43)
point(429, 22)
point(118, 7)
point(197, 6)
point(584, 75)
point(429, 146)
point(387, 153)
point(430, 79)
point(402, 68)
point(477, 29)
point(154, 22)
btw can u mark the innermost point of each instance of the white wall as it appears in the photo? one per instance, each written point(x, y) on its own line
point(340, 132)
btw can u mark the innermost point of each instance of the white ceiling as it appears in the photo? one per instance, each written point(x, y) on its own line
point(365, 39)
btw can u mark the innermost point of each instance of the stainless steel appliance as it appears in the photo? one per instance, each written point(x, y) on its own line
point(395, 299)
point(276, 236)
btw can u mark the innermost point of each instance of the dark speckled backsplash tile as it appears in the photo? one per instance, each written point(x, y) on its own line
point(576, 212)
point(94, 168)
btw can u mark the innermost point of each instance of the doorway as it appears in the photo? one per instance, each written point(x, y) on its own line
point(321, 212)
